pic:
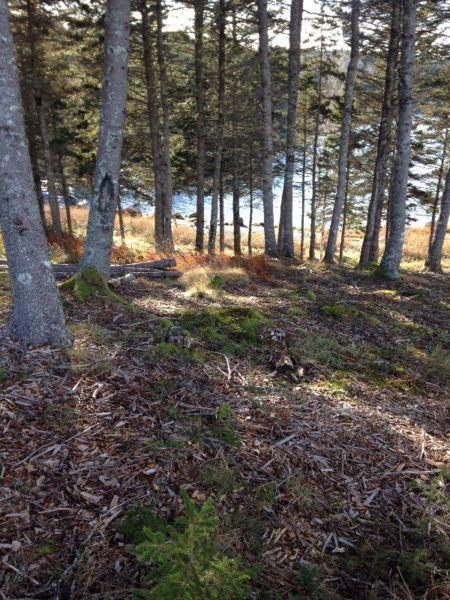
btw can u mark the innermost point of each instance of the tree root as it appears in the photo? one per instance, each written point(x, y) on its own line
point(88, 281)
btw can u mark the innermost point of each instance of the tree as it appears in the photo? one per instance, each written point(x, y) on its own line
point(221, 18)
point(389, 266)
point(285, 231)
point(37, 316)
point(199, 6)
point(39, 102)
point(345, 133)
point(153, 121)
point(369, 250)
point(97, 251)
point(167, 185)
point(433, 262)
point(270, 244)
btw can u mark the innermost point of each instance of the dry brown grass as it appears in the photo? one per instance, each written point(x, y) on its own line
point(139, 244)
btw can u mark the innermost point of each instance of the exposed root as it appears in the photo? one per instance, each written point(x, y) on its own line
point(88, 281)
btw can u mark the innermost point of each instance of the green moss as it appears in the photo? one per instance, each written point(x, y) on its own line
point(88, 281)
point(340, 311)
point(166, 351)
point(228, 329)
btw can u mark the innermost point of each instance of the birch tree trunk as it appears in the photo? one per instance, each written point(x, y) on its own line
point(201, 136)
point(167, 187)
point(434, 258)
point(153, 121)
point(235, 150)
point(37, 317)
point(270, 243)
point(219, 130)
point(345, 134)
point(98, 245)
point(389, 266)
point(312, 239)
point(369, 249)
point(285, 230)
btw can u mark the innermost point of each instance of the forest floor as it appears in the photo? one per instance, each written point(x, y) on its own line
point(332, 486)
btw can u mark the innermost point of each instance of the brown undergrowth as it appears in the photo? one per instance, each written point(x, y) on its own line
point(330, 487)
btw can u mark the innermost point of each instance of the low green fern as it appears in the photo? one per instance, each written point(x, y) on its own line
point(184, 560)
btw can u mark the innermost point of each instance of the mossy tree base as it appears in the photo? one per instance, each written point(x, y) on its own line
point(88, 281)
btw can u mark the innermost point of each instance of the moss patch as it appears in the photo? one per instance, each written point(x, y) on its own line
point(89, 281)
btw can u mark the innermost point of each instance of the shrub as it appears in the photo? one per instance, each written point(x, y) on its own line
point(184, 558)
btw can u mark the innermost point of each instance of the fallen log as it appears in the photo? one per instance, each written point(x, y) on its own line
point(66, 270)
point(145, 273)
point(161, 263)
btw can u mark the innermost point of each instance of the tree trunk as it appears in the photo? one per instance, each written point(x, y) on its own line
point(270, 243)
point(37, 317)
point(154, 123)
point(167, 187)
point(219, 129)
point(433, 262)
point(345, 134)
point(285, 231)
point(390, 262)
point(221, 214)
point(65, 194)
point(344, 215)
point(121, 223)
point(312, 240)
point(302, 231)
point(98, 245)
point(250, 217)
point(42, 123)
point(235, 151)
point(201, 136)
point(438, 190)
point(37, 177)
point(369, 250)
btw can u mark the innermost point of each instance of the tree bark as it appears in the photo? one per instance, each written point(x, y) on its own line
point(438, 189)
point(235, 150)
point(434, 258)
point(312, 240)
point(221, 214)
point(98, 245)
point(389, 266)
point(65, 194)
point(250, 217)
point(344, 215)
point(201, 136)
point(219, 129)
point(345, 134)
point(153, 121)
point(121, 223)
point(167, 187)
point(369, 249)
point(270, 243)
point(37, 317)
point(285, 230)
point(302, 230)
